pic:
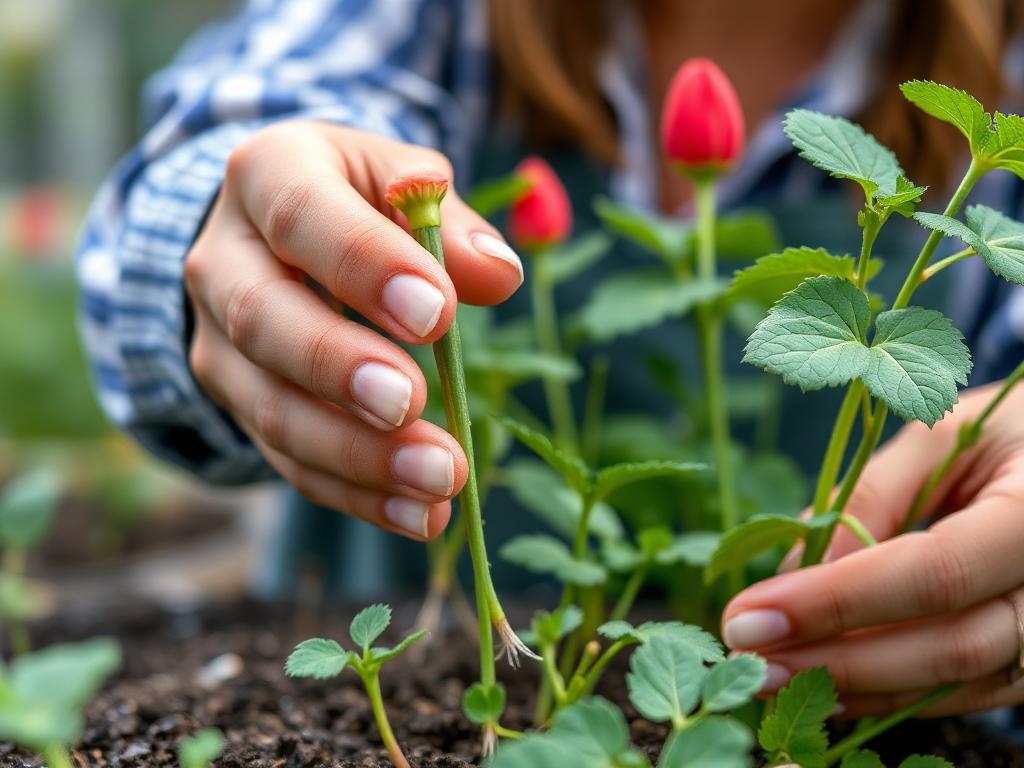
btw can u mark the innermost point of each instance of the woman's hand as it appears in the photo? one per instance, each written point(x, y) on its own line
point(919, 610)
point(334, 405)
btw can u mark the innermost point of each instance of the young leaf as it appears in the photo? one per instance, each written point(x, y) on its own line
point(484, 703)
point(693, 548)
point(952, 106)
point(629, 302)
point(777, 273)
point(575, 473)
point(317, 658)
point(544, 554)
point(612, 478)
point(904, 200)
point(369, 624)
point(28, 504)
point(721, 742)
point(599, 731)
point(575, 257)
point(862, 758)
point(706, 646)
point(200, 749)
point(665, 679)
point(926, 761)
point(1004, 238)
point(380, 655)
point(733, 682)
point(66, 675)
point(917, 359)
point(844, 149)
point(548, 628)
point(760, 533)
point(954, 228)
point(665, 237)
point(489, 197)
point(814, 336)
point(796, 728)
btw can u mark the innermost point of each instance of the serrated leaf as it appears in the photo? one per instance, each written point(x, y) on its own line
point(733, 682)
point(1004, 238)
point(954, 228)
point(703, 643)
point(844, 149)
point(862, 758)
point(665, 678)
point(575, 257)
point(490, 196)
point(722, 742)
point(814, 336)
point(200, 749)
point(693, 549)
point(576, 474)
point(759, 534)
point(484, 704)
point(917, 359)
point(771, 276)
point(903, 200)
point(380, 655)
point(796, 727)
point(926, 761)
point(547, 555)
point(538, 488)
point(1005, 147)
point(634, 301)
point(953, 106)
point(666, 237)
point(318, 658)
point(369, 624)
point(28, 504)
point(612, 478)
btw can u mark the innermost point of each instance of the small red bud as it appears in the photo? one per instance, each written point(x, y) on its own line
point(543, 215)
point(701, 121)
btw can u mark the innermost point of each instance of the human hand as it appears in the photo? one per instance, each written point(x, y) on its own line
point(920, 610)
point(333, 405)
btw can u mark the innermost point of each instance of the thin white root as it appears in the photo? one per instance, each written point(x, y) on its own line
point(510, 646)
point(490, 741)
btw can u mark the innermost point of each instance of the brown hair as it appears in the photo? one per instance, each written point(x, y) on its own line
point(547, 55)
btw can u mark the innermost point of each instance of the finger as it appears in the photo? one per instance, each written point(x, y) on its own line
point(281, 325)
point(966, 646)
point(988, 693)
point(422, 461)
point(968, 557)
point(412, 518)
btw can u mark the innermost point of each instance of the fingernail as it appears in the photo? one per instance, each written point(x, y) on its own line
point(755, 629)
point(408, 514)
point(383, 391)
point(489, 245)
point(426, 467)
point(776, 677)
point(414, 302)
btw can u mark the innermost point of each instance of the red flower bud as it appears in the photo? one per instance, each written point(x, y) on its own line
point(701, 121)
point(543, 215)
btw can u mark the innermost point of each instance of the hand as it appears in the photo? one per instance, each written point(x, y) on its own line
point(919, 610)
point(332, 404)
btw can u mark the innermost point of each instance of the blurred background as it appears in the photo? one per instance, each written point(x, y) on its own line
point(71, 73)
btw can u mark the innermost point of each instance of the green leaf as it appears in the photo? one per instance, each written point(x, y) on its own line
point(926, 761)
point(796, 728)
point(28, 504)
point(484, 703)
point(722, 742)
point(317, 658)
point(40, 725)
point(537, 750)
point(369, 624)
point(733, 682)
point(575, 257)
point(703, 643)
point(547, 555)
point(612, 478)
point(954, 228)
point(538, 488)
point(621, 556)
point(904, 200)
point(597, 729)
point(917, 359)
point(775, 274)
point(665, 679)
point(1005, 148)
point(67, 675)
point(547, 628)
point(814, 336)
point(844, 149)
point(666, 237)
point(953, 106)
point(518, 366)
point(634, 301)
point(380, 655)
point(1004, 238)
point(743, 235)
point(760, 533)
point(490, 196)
point(200, 749)
point(575, 473)
point(863, 758)
point(693, 548)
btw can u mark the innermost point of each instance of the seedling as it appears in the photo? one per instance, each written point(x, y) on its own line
point(201, 749)
point(321, 659)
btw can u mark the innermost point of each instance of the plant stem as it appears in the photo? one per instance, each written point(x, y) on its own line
point(55, 756)
point(709, 328)
point(968, 435)
point(551, 673)
point(863, 735)
point(949, 261)
point(17, 631)
point(371, 681)
point(448, 354)
point(857, 529)
point(593, 412)
point(629, 593)
point(867, 242)
point(507, 733)
point(545, 324)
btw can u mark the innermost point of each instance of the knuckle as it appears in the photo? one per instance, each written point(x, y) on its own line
point(199, 362)
point(965, 656)
point(360, 251)
point(321, 360)
point(270, 419)
point(244, 313)
point(835, 608)
point(287, 206)
point(245, 154)
point(944, 584)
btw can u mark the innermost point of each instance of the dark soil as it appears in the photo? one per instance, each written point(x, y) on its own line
point(223, 668)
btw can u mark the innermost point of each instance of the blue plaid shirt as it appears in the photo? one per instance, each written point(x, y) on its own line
point(415, 70)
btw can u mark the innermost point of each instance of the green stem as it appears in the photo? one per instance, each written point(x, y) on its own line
point(592, 677)
point(55, 756)
point(709, 328)
point(448, 354)
point(968, 435)
point(857, 529)
point(545, 324)
point(551, 673)
point(949, 261)
point(371, 681)
point(507, 733)
point(867, 242)
point(862, 736)
point(17, 631)
point(629, 593)
point(593, 412)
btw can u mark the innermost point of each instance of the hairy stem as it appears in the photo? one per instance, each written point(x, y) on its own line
point(371, 681)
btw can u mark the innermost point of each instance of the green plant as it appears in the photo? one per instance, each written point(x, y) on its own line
point(321, 659)
point(200, 749)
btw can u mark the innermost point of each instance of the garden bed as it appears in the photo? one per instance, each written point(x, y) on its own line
point(223, 667)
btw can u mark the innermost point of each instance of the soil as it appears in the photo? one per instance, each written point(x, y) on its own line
point(223, 667)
